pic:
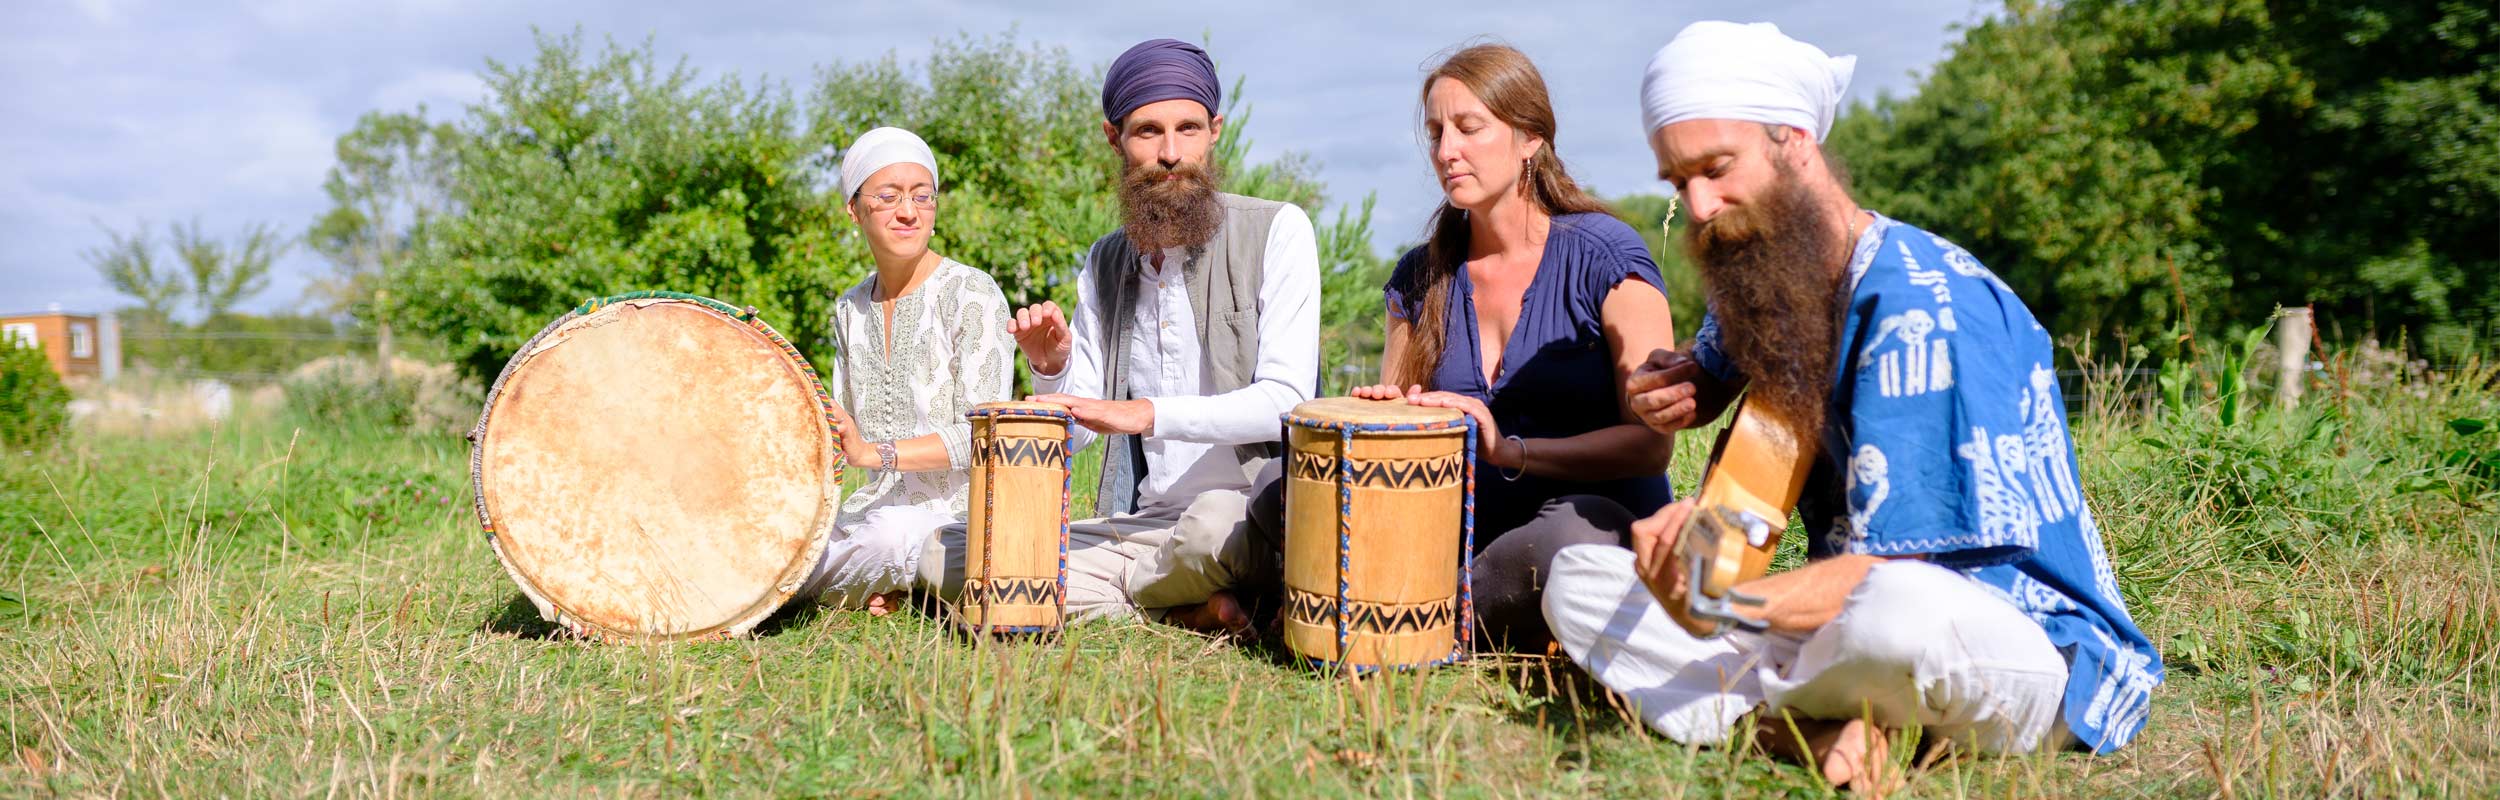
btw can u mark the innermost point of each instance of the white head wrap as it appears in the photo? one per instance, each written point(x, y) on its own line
point(1750, 72)
point(881, 148)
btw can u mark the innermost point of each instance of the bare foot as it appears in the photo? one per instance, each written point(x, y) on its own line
point(882, 604)
point(1219, 614)
point(1852, 754)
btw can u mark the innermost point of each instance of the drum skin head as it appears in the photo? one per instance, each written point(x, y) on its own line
point(1373, 412)
point(656, 469)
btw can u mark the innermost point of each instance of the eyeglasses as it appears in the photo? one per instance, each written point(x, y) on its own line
point(885, 201)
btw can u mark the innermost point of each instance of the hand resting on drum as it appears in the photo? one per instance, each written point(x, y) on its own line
point(1106, 416)
point(1491, 447)
point(1385, 391)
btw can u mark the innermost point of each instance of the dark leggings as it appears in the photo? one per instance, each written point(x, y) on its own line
point(1509, 574)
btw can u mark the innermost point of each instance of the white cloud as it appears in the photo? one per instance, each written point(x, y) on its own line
point(442, 91)
point(100, 11)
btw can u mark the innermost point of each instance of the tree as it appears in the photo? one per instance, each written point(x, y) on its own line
point(391, 180)
point(584, 175)
point(2124, 163)
point(589, 175)
point(215, 275)
point(224, 274)
point(128, 263)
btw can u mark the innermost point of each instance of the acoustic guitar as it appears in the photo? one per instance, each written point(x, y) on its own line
point(1757, 470)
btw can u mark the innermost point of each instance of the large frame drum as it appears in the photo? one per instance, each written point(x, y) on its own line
point(1379, 533)
point(657, 466)
point(1016, 545)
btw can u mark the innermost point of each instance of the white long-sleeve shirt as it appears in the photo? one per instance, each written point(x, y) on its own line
point(1189, 451)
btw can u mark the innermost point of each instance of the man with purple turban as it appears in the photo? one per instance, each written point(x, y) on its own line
point(1196, 326)
point(1955, 580)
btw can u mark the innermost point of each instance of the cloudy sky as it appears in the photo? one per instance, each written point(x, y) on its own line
point(126, 110)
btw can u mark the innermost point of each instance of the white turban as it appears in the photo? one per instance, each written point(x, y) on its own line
point(881, 148)
point(1751, 72)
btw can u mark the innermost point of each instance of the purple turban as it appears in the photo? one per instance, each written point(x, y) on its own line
point(1159, 70)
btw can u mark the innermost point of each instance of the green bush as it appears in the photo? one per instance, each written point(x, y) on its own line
point(594, 172)
point(34, 407)
point(351, 392)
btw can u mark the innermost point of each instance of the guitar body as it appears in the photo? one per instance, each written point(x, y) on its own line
point(1752, 483)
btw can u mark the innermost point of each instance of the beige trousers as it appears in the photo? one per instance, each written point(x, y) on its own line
point(1135, 565)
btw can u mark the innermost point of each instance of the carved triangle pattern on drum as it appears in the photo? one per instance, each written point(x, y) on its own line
point(1368, 617)
point(1011, 592)
point(1388, 473)
point(1016, 452)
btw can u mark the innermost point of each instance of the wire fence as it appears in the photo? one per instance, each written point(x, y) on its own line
point(272, 336)
point(2097, 390)
point(244, 358)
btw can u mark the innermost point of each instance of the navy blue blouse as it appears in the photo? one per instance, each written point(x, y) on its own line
point(1558, 376)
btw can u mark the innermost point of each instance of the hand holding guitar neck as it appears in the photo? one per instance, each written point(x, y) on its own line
point(1729, 531)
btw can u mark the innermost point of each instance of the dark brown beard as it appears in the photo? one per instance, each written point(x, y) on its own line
point(1160, 213)
point(1769, 267)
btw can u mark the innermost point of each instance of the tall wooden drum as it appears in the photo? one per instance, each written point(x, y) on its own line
point(1016, 547)
point(657, 466)
point(1379, 532)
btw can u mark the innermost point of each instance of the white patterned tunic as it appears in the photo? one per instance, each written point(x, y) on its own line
point(949, 351)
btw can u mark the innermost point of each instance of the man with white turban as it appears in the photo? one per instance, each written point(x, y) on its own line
point(918, 343)
point(1196, 327)
point(1955, 579)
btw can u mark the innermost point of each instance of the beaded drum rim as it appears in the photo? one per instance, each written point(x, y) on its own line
point(1456, 420)
point(989, 508)
point(983, 412)
point(1464, 633)
point(592, 305)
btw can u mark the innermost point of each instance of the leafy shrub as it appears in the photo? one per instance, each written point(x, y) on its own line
point(594, 172)
point(350, 392)
point(33, 405)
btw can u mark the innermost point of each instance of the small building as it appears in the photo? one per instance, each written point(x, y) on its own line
point(80, 346)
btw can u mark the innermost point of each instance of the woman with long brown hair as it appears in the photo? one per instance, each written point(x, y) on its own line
point(1527, 309)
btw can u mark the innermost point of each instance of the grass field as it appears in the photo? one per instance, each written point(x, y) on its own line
point(296, 609)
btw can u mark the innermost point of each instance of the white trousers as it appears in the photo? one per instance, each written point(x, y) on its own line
point(1915, 644)
point(879, 554)
point(1132, 566)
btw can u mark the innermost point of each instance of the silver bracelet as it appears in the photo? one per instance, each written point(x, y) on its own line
point(1523, 460)
point(886, 458)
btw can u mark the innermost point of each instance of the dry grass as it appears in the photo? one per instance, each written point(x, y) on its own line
point(271, 611)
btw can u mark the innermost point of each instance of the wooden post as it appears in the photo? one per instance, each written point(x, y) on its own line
point(2291, 343)
point(382, 331)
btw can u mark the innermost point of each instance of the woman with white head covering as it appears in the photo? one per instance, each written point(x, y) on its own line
point(918, 343)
